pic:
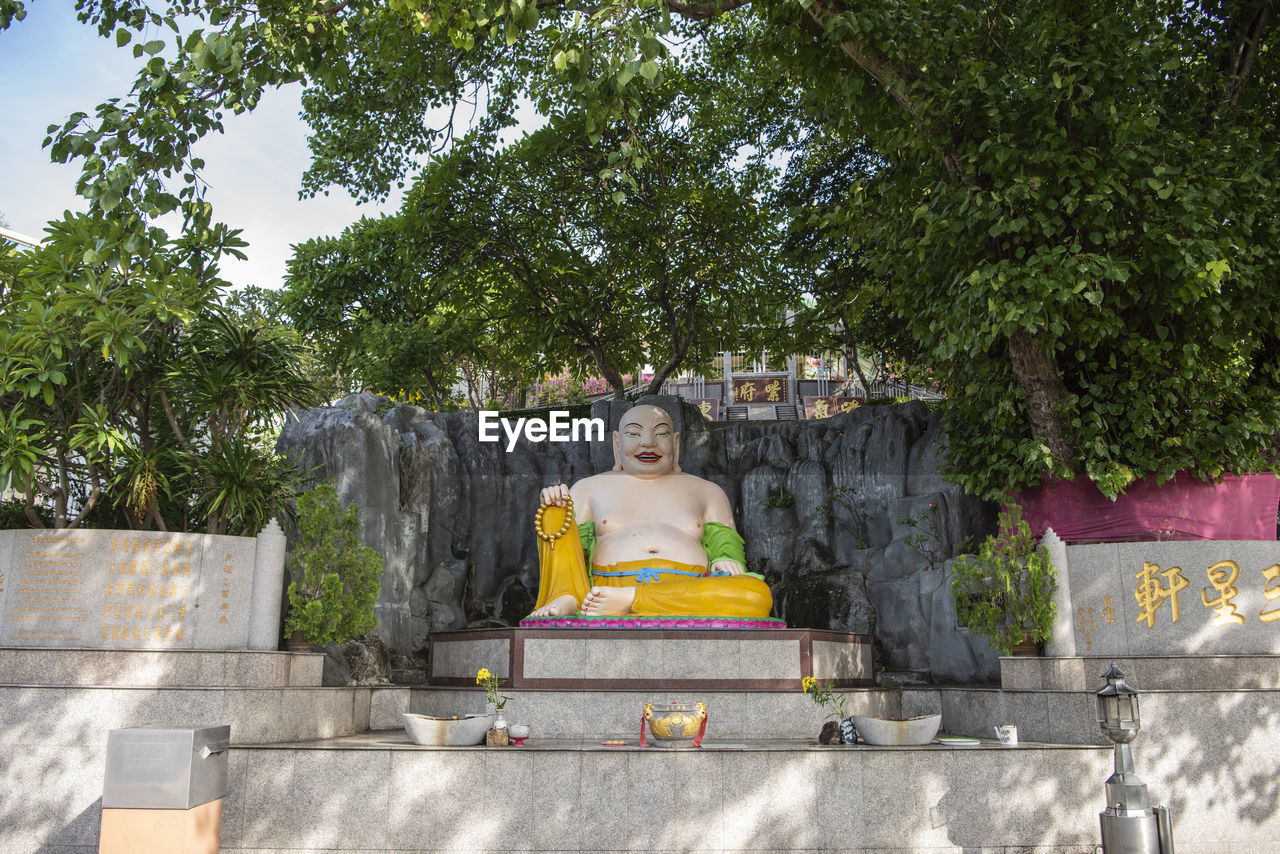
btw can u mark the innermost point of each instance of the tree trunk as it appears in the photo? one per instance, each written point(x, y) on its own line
point(609, 371)
point(1036, 373)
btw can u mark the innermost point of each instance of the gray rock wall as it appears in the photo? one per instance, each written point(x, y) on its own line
point(847, 518)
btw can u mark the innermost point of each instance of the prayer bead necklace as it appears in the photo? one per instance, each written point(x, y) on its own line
point(564, 529)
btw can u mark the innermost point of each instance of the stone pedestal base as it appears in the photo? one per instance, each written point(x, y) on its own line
point(652, 659)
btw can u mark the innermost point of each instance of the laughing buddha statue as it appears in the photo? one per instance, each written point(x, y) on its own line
point(650, 540)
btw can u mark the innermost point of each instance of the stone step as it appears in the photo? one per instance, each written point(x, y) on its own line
point(604, 713)
point(1143, 672)
point(160, 668)
point(52, 716)
point(657, 659)
point(378, 793)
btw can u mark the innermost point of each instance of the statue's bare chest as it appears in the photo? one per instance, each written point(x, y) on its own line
point(649, 503)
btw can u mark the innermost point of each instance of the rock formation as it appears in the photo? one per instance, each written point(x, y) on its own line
point(847, 518)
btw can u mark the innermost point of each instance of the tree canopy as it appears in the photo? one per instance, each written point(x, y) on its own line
point(129, 393)
point(1073, 206)
point(519, 251)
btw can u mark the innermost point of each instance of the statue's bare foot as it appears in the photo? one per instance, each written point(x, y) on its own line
point(609, 601)
point(561, 606)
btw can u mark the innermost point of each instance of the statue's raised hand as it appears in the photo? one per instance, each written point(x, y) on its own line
point(555, 495)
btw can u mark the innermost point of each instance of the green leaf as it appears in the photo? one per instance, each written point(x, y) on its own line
point(649, 70)
point(151, 48)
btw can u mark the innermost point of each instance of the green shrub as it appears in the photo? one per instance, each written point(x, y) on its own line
point(1006, 590)
point(13, 515)
point(335, 579)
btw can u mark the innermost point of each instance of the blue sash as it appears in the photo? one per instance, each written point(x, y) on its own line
point(647, 574)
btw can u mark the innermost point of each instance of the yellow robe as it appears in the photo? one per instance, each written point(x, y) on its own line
point(663, 588)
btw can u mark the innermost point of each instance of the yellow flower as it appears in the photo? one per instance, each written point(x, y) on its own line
point(483, 674)
point(807, 683)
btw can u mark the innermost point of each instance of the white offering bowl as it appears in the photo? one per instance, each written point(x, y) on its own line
point(884, 731)
point(446, 732)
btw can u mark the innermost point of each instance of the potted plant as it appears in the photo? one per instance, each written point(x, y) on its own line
point(335, 579)
point(838, 727)
point(1005, 592)
point(498, 735)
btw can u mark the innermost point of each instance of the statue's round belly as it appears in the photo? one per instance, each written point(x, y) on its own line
point(648, 540)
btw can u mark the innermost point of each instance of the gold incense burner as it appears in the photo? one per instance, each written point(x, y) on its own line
point(674, 725)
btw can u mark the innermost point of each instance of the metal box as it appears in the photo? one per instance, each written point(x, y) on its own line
point(166, 768)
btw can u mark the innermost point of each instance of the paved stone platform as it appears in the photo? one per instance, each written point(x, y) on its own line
point(328, 770)
point(379, 793)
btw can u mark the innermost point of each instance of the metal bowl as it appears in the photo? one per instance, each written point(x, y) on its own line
point(676, 724)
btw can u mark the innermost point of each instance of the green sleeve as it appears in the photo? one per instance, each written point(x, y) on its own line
point(721, 542)
point(587, 533)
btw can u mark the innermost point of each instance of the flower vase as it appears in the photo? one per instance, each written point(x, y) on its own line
point(848, 732)
point(498, 734)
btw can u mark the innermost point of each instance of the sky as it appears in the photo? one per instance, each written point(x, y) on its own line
point(51, 65)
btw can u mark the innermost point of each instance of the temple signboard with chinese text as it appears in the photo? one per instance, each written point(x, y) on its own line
point(132, 590)
point(826, 406)
point(1171, 598)
point(708, 406)
point(761, 389)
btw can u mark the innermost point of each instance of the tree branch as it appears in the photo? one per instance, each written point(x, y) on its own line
point(892, 77)
point(705, 11)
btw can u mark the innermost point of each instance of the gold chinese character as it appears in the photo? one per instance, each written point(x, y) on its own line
point(1086, 627)
point(1222, 575)
point(820, 409)
point(1109, 608)
point(1272, 592)
point(848, 405)
point(1151, 594)
point(705, 408)
point(773, 391)
point(747, 391)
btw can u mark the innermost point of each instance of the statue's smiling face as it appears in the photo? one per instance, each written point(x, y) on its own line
point(646, 443)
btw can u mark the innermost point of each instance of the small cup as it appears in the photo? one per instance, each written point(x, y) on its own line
point(1008, 734)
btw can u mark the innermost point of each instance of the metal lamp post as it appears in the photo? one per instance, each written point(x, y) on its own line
point(1129, 824)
